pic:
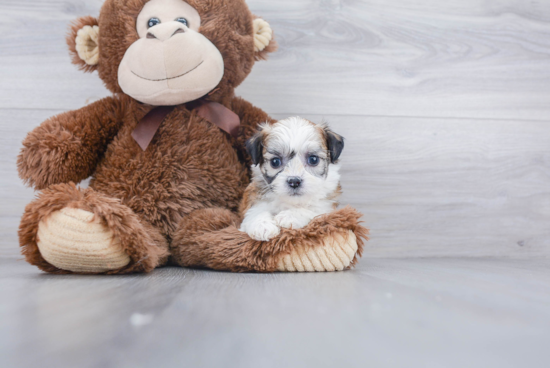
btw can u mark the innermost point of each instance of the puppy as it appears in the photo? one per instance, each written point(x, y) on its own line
point(294, 178)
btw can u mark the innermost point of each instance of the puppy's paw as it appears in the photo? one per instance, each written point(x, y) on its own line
point(263, 230)
point(291, 219)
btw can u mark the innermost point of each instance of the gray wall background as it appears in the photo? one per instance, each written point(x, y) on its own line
point(445, 105)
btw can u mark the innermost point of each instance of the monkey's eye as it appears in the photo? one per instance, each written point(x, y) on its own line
point(153, 22)
point(276, 162)
point(182, 21)
point(313, 160)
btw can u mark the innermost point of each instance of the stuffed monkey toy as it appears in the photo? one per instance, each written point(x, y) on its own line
point(166, 153)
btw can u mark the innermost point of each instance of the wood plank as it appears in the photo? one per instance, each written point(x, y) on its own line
point(387, 313)
point(444, 187)
point(456, 58)
point(427, 187)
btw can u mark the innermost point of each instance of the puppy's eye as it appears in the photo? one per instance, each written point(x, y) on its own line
point(276, 162)
point(182, 21)
point(313, 160)
point(153, 22)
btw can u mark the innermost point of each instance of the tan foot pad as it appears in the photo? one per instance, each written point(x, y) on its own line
point(72, 240)
point(336, 254)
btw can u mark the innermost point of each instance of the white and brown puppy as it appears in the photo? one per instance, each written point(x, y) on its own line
point(294, 178)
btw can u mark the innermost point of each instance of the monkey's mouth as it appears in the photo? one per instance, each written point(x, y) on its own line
point(160, 80)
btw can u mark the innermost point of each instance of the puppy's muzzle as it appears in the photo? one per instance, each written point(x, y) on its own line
point(294, 182)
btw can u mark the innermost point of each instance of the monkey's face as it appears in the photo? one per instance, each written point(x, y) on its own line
point(169, 52)
point(171, 63)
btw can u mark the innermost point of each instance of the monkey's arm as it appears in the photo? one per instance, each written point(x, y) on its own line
point(251, 117)
point(67, 147)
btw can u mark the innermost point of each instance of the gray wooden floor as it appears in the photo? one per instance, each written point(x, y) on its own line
point(446, 109)
point(445, 312)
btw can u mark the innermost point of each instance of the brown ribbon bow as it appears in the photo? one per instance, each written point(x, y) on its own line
point(214, 112)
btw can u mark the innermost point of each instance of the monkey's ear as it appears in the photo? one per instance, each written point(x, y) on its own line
point(264, 42)
point(83, 41)
point(254, 148)
point(335, 144)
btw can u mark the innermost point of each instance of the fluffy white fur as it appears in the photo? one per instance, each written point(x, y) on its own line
point(277, 205)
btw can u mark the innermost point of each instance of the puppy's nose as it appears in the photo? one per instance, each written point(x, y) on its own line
point(294, 182)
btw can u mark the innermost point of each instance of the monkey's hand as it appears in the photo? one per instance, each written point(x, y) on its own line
point(68, 146)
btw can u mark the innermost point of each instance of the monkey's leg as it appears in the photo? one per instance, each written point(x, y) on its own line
point(210, 238)
point(69, 230)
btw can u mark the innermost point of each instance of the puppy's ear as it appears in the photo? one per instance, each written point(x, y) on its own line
point(83, 41)
point(255, 148)
point(335, 144)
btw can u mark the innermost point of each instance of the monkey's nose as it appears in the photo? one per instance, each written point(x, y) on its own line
point(165, 31)
point(294, 182)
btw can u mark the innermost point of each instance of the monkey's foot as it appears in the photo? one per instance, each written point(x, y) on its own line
point(209, 238)
point(75, 240)
point(336, 254)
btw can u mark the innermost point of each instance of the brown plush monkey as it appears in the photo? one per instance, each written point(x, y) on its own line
point(166, 153)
